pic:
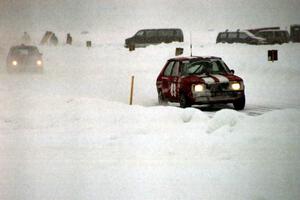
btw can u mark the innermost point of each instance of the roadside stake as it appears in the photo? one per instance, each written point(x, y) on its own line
point(88, 44)
point(272, 55)
point(131, 90)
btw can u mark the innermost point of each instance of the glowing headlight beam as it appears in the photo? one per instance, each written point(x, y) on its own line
point(14, 63)
point(198, 88)
point(39, 62)
point(236, 86)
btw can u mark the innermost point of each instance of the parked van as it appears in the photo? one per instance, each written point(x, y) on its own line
point(146, 37)
point(274, 36)
point(238, 37)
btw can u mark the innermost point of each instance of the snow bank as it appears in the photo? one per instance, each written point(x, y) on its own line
point(95, 147)
point(223, 119)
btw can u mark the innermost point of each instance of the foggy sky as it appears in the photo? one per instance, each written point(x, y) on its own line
point(111, 15)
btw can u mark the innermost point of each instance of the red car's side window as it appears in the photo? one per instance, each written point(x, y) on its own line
point(169, 68)
point(175, 71)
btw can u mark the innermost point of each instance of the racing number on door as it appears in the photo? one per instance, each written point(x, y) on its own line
point(173, 89)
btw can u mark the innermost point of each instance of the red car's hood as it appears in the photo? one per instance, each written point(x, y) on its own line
point(212, 78)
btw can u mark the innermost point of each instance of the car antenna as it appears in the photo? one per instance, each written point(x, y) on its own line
point(191, 44)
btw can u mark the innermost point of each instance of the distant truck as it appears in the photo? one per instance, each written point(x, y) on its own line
point(239, 37)
point(295, 33)
point(147, 37)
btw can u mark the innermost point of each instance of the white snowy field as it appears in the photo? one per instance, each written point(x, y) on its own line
point(69, 133)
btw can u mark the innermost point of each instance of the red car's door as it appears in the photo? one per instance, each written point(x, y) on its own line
point(174, 78)
point(166, 80)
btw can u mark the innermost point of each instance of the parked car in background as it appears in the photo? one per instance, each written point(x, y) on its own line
point(24, 58)
point(147, 37)
point(295, 33)
point(199, 80)
point(274, 36)
point(239, 37)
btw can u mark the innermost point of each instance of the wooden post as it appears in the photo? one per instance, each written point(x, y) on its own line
point(178, 51)
point(88, 44)
point(272, 55)
point(131, 90)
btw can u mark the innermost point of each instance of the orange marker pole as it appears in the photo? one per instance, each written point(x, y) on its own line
point(131, 90)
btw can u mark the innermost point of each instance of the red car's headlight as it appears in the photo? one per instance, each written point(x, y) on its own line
point(39, 62)
point(14, 63)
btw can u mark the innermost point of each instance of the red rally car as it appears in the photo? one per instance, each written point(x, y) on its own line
point(199, 80)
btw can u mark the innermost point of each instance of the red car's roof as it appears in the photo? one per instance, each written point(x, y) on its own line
point(195, 58)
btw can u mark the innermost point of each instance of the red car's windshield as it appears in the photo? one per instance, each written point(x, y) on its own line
point(205, 67)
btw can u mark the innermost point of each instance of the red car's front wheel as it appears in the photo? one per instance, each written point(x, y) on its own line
point(184, 102)
point(239, 104)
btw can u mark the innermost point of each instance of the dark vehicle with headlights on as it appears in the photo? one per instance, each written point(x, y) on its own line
point(199, 80)
point(24, 58)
